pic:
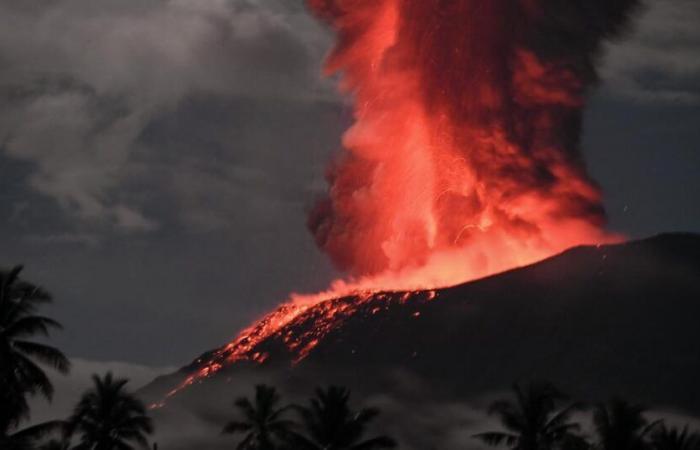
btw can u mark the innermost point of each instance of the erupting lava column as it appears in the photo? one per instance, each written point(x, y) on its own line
point(464, 158)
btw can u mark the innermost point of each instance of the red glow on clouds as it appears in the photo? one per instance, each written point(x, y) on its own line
point(463, 159)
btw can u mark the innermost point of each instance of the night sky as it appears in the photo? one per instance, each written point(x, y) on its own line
point(158, 158)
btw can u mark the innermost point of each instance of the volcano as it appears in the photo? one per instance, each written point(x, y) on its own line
point(462, 168)
point(598, 320)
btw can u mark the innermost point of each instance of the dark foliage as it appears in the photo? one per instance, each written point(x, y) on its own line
point(21, 376)
point(621, 425)
point(532, 421)
point(261, 420)
point(665, 438)
point(330, 424)
point(107, 417)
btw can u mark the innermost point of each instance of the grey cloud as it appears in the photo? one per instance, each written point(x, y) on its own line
point(81, 82)
point(660, 62)
point(63, 238)
point(240, 163)
point(74, 164)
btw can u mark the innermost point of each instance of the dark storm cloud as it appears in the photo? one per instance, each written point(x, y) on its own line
point(263, 165)
point(661, 63)
point(157, 158)
point(149, 149)
point(81, 82)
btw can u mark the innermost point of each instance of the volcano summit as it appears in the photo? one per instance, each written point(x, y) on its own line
point(464, 161)
point(598, 320)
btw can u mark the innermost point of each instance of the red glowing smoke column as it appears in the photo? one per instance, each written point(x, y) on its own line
point(464, 158)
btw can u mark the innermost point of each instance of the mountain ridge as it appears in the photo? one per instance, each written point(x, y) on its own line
point(598, 319)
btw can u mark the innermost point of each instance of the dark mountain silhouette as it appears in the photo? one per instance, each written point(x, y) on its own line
point(597, 321)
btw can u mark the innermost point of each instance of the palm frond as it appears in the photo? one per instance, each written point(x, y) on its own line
point(494, 438)
point(46, 354)
point(649, 428)
point(31, 325)
point(367, 415)
point(245, 443)
point(236, 427)
point(563, 416)
point(245, 406)
point(32, 377)
point(41, 430)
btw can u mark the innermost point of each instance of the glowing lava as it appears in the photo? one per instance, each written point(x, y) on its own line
point(464, 158)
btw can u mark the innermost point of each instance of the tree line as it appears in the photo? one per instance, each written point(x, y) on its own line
point(108, 417)
point(541, 417)
point(326, 422)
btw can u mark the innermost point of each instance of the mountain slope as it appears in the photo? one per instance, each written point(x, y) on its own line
point(618, 319)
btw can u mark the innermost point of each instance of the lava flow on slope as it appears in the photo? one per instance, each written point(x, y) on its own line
point(324, 313)
point(464, 159)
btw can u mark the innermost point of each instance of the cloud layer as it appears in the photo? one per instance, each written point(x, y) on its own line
point(82, 82)
point(661, 62)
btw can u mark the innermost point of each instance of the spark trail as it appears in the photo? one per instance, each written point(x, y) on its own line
point(464, 158)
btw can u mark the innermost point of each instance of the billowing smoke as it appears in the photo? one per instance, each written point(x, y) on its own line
point(464, 158)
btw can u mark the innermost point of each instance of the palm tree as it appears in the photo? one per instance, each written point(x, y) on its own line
point(621, 425)
point(20, 375)
point(330, 424)
point(27, 438)
point(107, 417)
point(533, 422)
point(262, 420)
point(665, 438)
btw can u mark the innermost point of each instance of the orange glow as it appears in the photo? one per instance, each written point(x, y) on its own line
point(463, 160)
point(326, 311)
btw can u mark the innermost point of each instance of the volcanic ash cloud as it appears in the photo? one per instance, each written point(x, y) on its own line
point(464, 158)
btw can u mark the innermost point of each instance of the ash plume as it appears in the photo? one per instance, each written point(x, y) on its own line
point(465, 155)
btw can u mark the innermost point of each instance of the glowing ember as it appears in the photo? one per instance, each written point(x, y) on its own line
point(324, 312)
point(464, 158)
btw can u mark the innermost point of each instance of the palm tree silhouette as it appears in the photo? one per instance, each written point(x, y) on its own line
point(664, 438)
point(621, 425)
point(20, 375)
point(55, 444)
point(262, 420)
point(532, 421)
point(107, 417)
point(27, 438)
point(330, 424)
